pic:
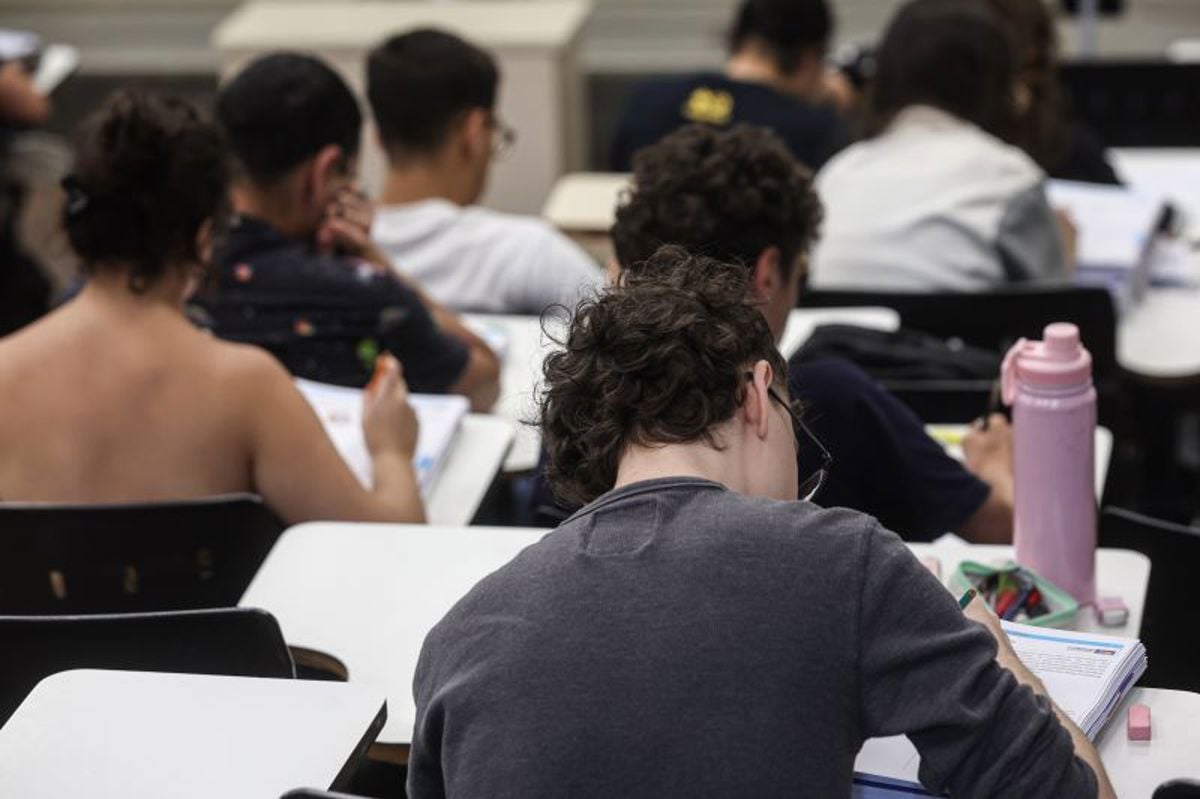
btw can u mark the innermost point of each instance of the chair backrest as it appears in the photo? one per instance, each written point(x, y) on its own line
point(1169, 622)
point(124, 558)
point(995, 319)
point(241, 642)
point(1136, 103)
point(1178, 789)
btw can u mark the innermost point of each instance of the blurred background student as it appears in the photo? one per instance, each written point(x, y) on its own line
point(775, 76)
point(298, 272)
point(434, 100)
point(935, 199)
point(1062, 146)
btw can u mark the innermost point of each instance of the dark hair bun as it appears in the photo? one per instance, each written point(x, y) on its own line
point(150, 169)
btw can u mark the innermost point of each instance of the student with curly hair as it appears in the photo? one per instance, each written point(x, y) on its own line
point(117, 397)
point(739, 196)
point(937, 199)
point(695, 631)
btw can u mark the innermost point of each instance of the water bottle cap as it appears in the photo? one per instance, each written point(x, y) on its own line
point(1058, 361)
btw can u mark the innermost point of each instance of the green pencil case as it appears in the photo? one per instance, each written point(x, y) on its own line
point(1061, 607)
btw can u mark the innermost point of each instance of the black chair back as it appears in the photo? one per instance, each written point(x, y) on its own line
point(993, 320)
point(128, 558)
point(1169, 621)
point(241, 642)
point(1136, 103)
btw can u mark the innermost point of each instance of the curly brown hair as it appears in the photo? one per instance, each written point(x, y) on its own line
point(727, 194)
point(659, 358)
point(149, 171)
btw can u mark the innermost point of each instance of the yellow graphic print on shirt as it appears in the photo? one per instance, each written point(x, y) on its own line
point(712, 106)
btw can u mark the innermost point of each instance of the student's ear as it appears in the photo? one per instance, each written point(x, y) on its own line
point(767, 279)
point(326, 174)
point(756, 404)
point(204, 242)
point(613, 271)
point(475, 134)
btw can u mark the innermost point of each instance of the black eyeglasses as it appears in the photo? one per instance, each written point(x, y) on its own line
point(504, 138)
point(810, 487)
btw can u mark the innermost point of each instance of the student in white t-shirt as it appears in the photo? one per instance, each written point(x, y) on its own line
point(433, 96)
point(936, 199)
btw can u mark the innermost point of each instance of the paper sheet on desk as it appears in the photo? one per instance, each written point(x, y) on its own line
point(340, 412)
point(1114, 223)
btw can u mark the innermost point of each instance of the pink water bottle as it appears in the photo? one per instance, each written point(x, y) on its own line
point(1048, 384)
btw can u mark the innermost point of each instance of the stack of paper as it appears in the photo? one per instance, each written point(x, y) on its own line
point(1086, 674)
point(340, 412)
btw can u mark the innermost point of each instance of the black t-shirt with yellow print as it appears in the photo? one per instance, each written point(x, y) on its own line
point(812, 132)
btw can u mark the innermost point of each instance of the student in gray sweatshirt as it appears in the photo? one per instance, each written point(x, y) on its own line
point(694, 630)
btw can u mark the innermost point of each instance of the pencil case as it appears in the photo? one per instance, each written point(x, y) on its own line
point(1061, 607)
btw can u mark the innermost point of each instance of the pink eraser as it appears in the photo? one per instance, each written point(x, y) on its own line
point(1139, 723)
point(1111, 611)
point(933, 564)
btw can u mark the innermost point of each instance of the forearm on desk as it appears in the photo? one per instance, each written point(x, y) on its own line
point(1085, 750)
point(396, 487)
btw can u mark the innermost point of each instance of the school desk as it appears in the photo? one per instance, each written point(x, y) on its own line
point(367, 594)
point(148, 735)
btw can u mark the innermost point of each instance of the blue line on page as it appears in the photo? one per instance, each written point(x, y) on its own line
point(1102, 644)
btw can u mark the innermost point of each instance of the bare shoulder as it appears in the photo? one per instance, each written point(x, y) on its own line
point(245, 366)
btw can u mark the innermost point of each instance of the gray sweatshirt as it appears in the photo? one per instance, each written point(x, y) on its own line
point(675, 638)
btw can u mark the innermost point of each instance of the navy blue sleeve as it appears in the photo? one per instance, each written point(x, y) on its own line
point(326, 317)
point(433, 361)
point(884, 464)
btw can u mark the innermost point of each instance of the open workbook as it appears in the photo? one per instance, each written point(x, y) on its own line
point(340, 412)
point(1086, 674)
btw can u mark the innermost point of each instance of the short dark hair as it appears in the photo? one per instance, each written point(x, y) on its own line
point(955, 55)
point(420, 82)
point(727, 194)
point(658, 358)
point(789, 28)
point(149, 171)
point(282, 109)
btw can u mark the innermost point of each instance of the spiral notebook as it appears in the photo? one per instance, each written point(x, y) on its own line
point(1086, 674)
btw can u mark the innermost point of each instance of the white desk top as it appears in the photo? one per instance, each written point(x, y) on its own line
point(802, 322)
point(1136, 768)
point(472, 464)
point(511, 24)
point(1119, 572)
point(950, 436)
point(1171, 172)
point(1160, 336)
point(585, 201)
point(146, 735)
point(527, 348)
point(367, 594)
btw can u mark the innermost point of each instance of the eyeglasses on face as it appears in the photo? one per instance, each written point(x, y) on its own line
point(504, 137)
point(809, 488)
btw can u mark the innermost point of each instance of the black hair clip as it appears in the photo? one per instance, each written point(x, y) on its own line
point(77, 198)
